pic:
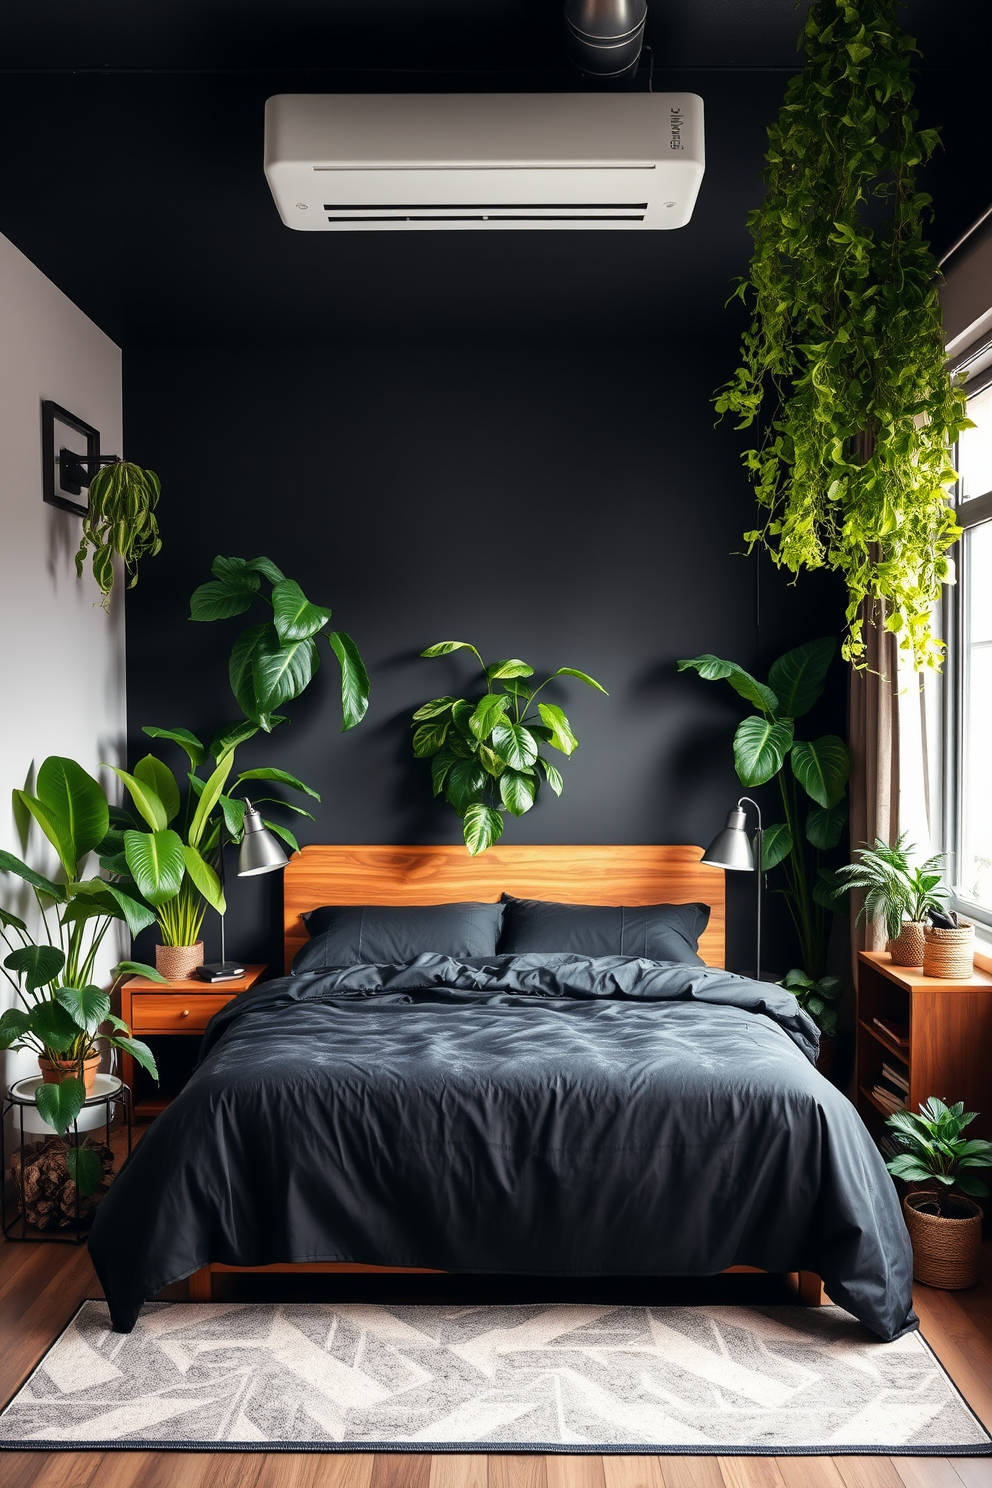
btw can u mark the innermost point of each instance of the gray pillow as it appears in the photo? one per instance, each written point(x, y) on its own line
point(346, 934)
point(656, 932)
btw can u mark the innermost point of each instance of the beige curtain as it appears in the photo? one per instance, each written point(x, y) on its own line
point(874, 740)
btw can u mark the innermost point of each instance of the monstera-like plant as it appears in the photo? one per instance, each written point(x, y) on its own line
point(275, 661)
point(486, 753)
point(813, 792)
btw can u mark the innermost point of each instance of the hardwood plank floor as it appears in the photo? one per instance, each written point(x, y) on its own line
point(42, 1285)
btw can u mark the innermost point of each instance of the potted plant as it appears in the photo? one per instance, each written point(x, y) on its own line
point(61, 1015)
point(175, 871)
point(820, 997)
point(119, 523)
point(843, 367)
point(486, 753)
point(813, 792)
point(897, 892)
point(944, 1222)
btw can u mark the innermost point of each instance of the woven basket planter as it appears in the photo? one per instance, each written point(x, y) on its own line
point(949, 953)
point(907, 948)
point(945, 1251)
point(178, 963)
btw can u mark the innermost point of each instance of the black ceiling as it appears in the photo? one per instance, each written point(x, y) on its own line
point(130, 163)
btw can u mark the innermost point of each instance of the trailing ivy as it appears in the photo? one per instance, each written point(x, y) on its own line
point(843, 367)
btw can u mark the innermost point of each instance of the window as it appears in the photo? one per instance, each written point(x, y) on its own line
point(970, 662)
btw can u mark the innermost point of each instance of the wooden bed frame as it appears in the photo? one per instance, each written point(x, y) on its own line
point(448, 875)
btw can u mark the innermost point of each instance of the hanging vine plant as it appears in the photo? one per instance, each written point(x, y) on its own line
point(119, 523)
point(843, 368)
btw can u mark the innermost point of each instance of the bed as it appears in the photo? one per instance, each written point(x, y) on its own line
point(517, 1111)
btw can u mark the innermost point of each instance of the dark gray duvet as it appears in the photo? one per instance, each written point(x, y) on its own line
point(542, 1114)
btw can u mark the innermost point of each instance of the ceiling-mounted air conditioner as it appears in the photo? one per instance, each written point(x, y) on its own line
point(401, 162)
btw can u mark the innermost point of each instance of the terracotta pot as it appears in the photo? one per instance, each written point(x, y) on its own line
point(177, 963)
point(945, 1251)
point(949, 953)
point(907, 948)
point(55, 1071)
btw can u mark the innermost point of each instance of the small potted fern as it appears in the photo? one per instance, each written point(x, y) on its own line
point(898, 893)
point(944, 1222)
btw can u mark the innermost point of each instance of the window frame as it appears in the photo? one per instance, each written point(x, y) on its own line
point(971, 513)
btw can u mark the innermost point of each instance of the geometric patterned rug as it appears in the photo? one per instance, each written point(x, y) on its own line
point(552, 1378)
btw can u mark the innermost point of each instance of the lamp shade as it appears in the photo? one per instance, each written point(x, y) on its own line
point(260, 852)
point(731, 848)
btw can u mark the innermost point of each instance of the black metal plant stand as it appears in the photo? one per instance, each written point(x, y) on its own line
point(110, 1092)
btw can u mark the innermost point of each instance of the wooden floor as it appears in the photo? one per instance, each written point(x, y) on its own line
point(42, 1285)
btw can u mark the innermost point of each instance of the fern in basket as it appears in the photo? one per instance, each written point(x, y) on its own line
point(935, 1152)
point(894, 890)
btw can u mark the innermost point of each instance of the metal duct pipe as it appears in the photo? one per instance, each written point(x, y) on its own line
point(603, 38)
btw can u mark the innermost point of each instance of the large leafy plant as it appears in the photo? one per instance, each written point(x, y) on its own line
point(813, 791)
point(60, 1013)
point(273, 662)
point(842, 366)
point(894, 887)
point(486, 754)
point(936, 1153)
point(174, 863)
point(119, 523)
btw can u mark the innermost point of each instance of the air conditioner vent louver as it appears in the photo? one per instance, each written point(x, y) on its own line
point(481, 161)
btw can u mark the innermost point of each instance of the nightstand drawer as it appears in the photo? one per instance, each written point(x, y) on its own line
point(174, 1012)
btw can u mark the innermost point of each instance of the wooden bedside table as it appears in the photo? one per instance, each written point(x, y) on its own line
point(169, 1010)
point(948, 1051)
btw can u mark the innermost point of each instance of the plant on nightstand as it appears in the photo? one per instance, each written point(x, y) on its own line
point(62, 1016)
point(944, 1222)
point(485, 754)
point(898, 893)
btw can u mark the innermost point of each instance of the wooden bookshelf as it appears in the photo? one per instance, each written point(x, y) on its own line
point(949, 1047)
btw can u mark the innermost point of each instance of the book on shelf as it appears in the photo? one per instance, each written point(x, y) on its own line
point(895, 1029)
point(892, 1100)
point(895, 1077)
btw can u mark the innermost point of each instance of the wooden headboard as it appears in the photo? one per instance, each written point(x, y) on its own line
point(447, 875)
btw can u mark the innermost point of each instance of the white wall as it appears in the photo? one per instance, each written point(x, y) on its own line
point(61, 656)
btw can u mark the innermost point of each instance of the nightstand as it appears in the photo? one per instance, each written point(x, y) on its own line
point(167, 1012)
point(947, 1045)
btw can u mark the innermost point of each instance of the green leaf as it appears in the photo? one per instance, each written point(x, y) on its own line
point(10, 864)
point(138, 968)
point(830, 891)
point(822, 768)
point(429, 737)
point(825, 824)
point(84, 1168)
point(797, 678)
point(551, 775)
point(187, 741)
point(160, 779)
point(87, 1006)
point(512, 667)
point(267, 568)
point(241, 670)
point(583, 677)
point(490, 761)
point(38, 964)
point(219, 601)
point(56, 830)
point(488, 713)
point(482, 826)
point(76, 799)
point(95, 896)
point(234, 815)
point(14, 1024)
point(156, 863)
point(436, 708)
point(283, 832)
point(204, 879)
point(11, 922)
point(776, 844)
point(209, 797)
point(138, 916)
point(760, 747)
point(464, 784)
point(516, 744)
point(281, 670)
point(283, 777)
point(713, 669)
point(294, 617)
point(56, 1029)
point(517, 791)
point(59, 1105)
point(355, 685)
point(228, 740)
point(237, 573)
point(441, 764)
point(147, 800)
point(562, 737)
point(445, 648)
point(138, 1051)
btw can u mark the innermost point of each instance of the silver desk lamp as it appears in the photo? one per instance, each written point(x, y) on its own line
point(732, 849)
point(260, 853)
